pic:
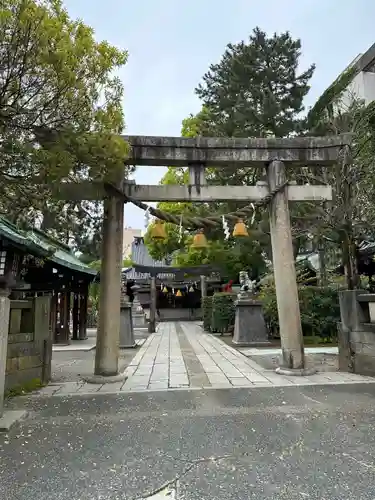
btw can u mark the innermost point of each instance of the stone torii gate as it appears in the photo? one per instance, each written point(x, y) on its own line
point(274, 155)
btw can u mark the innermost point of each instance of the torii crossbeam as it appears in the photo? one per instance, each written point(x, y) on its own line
point(274, 155)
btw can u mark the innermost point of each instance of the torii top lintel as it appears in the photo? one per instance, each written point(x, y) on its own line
point(180, 151)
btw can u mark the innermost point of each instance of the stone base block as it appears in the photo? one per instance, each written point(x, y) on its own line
point(126, 327)
point(10, 418)
point(250, 327)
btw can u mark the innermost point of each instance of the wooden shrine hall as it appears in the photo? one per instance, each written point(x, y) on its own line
point(39, 265)
point(178, 290)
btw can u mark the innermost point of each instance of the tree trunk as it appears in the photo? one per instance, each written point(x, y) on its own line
point(349, 257)
point(322, 265)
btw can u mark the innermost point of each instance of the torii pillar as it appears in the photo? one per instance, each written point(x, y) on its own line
point(293, 357)
point(108, 334)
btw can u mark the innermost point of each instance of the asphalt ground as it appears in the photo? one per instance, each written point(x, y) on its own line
point(311, 442)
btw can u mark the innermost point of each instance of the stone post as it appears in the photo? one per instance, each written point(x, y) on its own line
point(7, 418)
point(126, 326)
point(4, 329)
point(152, 322)
point(293, 356)
point(107, 346)
point(42, 335)
point(203, 287)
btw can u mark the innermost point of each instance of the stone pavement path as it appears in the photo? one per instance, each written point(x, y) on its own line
point(180, 356)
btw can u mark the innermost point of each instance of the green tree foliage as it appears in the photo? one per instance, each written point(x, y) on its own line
point(60, 108)
point(230, 256)
point(351, 218)
point(254, 91)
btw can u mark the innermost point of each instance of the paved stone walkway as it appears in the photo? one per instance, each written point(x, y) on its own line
point(180, 356)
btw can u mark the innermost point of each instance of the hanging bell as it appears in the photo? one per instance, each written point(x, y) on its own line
point(191, 289)
point(199, 241)
point(158, 231)
point(178, 294)
point(165, 290)
point(240, 229)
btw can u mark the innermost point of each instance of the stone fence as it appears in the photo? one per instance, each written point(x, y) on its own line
point(29, 350)
point(356, 332)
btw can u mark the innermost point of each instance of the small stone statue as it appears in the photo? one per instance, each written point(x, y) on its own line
point(247, 286)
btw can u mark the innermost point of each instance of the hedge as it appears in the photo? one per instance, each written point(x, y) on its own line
point(319, 307)
point(223, 312)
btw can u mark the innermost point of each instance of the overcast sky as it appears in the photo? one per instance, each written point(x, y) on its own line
point(172, 43)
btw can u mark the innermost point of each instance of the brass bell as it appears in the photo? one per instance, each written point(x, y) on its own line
point(199, 241)
point(240, 229)
point(178, 293)
point(158, 231)
point(165, 290)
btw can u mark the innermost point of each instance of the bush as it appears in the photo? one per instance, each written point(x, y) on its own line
point(319, 306)
point(223, 312)
point(207, 313)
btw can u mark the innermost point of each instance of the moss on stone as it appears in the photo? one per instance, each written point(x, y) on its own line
point(22, 389)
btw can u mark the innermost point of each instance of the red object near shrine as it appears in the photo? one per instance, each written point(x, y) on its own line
point(228, 286)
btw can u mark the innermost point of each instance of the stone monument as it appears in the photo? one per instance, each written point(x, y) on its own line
point(250, 326)
point(126, 322)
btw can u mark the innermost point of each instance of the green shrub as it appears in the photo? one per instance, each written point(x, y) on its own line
point(207, 313)
point(319, 306)
point(223, 312)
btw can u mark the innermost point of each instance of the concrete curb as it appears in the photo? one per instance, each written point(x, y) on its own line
point(11, 417)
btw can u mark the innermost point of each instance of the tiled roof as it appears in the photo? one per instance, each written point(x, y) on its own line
point(141, 256)
point(38, 243)
point(62, 254)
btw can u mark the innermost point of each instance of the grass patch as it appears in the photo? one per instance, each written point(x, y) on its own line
point(22, 389)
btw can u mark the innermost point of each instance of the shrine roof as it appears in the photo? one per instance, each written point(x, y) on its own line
point(141, 257)
point(38, 243)
point(144, 266)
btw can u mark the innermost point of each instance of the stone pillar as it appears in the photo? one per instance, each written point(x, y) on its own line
point(42, 336)
point(4, 329)
point(203, 287)
point(107, 346)
point(152, 322)
point(250, 327)
point(75, 316)
point(293, 356)
point(353, 317)
point(126, 327)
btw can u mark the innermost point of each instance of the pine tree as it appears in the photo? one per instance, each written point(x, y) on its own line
point(256, 90)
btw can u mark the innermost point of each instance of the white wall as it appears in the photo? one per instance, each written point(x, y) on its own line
point(362, 87)
point(129, 235)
